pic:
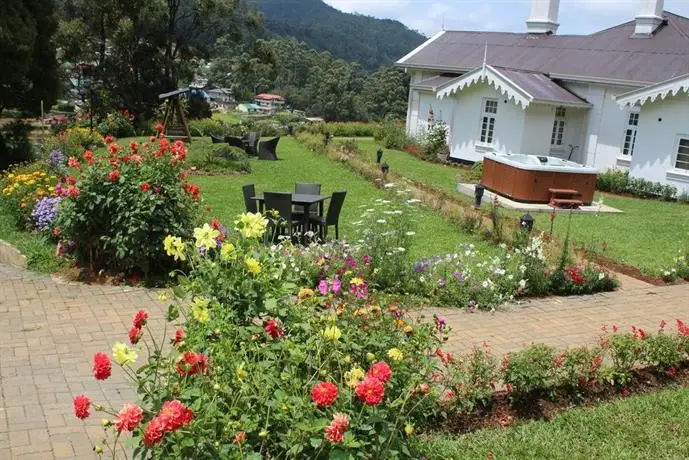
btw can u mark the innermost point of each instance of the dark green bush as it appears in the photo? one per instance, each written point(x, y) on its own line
point(116, 124)
point(15, 146)
point(344, 129)
point(391, 134)
point(615, 181)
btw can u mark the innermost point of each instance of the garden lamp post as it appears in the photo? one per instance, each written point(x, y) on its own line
point(379, 155)
point(385, 168)
point(479, 189)
point(526, 221)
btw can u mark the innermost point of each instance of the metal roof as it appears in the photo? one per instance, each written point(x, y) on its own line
point(610, 55)
point(433, 83)
point(541, 88)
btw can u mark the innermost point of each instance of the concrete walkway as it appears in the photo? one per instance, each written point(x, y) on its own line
point(50, 331)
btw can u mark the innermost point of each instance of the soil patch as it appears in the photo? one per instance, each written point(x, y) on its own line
point(502, 411)
point(628, 270)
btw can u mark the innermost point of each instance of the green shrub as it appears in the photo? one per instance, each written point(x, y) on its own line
point(73, 141)
point(15, 146)
point(122, 205)
point(434, 141)
point(470, 379)
point(579, 367)
point(625, 350)
point(198, 108)
point(344, 129)
point(391, 135)
point(615, 181)
point(206, 127)
point(662, 351)
point(530, 372)
point(116, 124)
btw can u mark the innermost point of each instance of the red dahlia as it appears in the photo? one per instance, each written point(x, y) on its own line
point(174, 414)
point(145, 187)
point(371, 391)
point(335, 431)
point(129, 417)
point(135, 335)
point(273, 329)
point(140, 319)
point(324, 394)
point(114, 176)
point(101, 366)
point(82, 405)
point(154, 432)
point(179, 337)
point(191, 363)
point(381, 371)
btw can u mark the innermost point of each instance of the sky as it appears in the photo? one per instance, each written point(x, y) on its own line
point(428, 16)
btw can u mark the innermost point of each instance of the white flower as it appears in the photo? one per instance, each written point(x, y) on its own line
point(389, 185)
point(522, 284)
point(502, 246)
point(522, 268)
point(381, 221)
point(401, 249)
point(410, 233)
point(601, 275)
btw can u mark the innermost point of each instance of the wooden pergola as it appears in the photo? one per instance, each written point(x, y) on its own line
point(174, 121)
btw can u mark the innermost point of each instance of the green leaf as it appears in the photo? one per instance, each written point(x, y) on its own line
point(316, 442)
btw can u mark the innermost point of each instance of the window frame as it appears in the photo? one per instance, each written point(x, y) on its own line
point(557, 135)
point(487, 139)
point(678, 142)
point(635, 132)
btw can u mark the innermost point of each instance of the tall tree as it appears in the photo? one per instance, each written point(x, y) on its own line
point(27, 55)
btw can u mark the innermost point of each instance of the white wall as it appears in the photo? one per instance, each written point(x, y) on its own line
point(656, 141)
point(465, 129)
point(605, 124)
point(538, 127)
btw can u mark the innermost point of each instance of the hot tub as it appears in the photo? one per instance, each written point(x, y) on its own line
point(527, 178)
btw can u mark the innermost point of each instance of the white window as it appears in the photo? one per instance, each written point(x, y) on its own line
point(630, 134)
point(490, 111)
point(682, 161)
point(558, 127)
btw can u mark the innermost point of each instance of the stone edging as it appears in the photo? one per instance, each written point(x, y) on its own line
point(9, 255)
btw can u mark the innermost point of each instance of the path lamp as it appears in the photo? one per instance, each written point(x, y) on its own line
point(379, 155)
point(478, 195)
point(385, 168)
point(526, 222)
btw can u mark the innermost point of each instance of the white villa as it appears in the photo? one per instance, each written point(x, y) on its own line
point(617, 98)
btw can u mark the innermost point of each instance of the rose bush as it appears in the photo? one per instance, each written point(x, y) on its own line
point(119, 205)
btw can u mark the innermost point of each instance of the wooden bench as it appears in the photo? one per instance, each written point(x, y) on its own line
point(565, 198)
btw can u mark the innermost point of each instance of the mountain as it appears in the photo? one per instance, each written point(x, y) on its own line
point(369, 41)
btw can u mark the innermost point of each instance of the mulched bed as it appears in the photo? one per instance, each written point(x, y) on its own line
point(502, 412)
point(628, 270)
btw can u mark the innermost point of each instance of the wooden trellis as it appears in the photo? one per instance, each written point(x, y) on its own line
point(174, 121)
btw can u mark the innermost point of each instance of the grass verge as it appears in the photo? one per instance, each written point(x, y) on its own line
point(647, 426)
point(40, 254)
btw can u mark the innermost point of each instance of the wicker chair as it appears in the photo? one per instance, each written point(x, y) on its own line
point(267, 149)
point(332, 218)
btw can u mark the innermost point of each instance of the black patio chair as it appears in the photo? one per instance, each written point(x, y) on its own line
point(305, 189)
point(283, 223)
point(321, 223)
point(235, 142)
point(267, 149)
point(251, 143)
point(249, 191)
point(217, 139)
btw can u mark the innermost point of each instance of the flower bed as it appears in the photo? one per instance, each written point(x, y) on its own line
point(260, 367)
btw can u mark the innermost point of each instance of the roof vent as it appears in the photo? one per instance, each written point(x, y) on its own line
point(650, 17)
point(543, 18)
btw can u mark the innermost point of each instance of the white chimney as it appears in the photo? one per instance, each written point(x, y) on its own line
point(649, 18)
point(543, 18)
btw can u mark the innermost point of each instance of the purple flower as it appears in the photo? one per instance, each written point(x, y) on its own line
point(57, 161)
point(367, 260)
point(441, 282)
point(439, 322)
point(323, 287)
point(44, 213)
point(351, 262)
point(337, 285)
point(459, 277)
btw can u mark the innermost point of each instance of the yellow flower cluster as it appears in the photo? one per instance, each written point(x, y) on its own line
point(28, 187)
point(123, 355)
point(199, 310)
point(251, 225)
point(174, 246)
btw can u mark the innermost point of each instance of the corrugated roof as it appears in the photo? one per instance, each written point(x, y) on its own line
point(611, 54)
point(540, 87)
point(433, 83)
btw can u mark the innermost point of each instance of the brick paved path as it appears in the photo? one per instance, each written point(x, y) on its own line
point(50, 330)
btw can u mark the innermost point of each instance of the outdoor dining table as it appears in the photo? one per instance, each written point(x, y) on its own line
point(300, 199)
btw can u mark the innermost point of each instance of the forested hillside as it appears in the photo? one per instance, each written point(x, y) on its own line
point(369, 41)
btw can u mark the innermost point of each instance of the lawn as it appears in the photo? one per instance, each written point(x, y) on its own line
point(40, 254)
point(647, 235)
point(223, 194)
point(649, 426)
point(228, 117)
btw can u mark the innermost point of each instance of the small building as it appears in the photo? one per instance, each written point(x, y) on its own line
point(592, 99)
point(270, 102)
point(222, 96)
